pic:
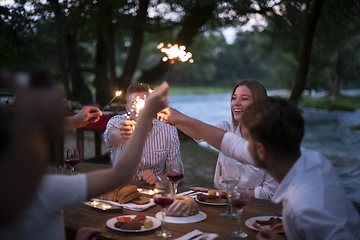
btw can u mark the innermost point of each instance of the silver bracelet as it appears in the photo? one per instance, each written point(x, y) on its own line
point(158, 178)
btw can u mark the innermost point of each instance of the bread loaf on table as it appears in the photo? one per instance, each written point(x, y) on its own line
point(122, 195)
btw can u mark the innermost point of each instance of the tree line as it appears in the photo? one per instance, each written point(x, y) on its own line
point(94, 48)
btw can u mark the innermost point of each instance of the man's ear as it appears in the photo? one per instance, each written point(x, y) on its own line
point(261, 151)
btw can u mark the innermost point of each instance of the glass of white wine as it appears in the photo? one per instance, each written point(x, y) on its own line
point(229, 179)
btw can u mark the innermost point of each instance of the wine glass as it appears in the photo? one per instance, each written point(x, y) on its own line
point(229, 178)
point(175, 173)
point(72, 158)
point(239, 199)
point(164, 196)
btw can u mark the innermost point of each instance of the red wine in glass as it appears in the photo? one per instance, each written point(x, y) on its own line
point(72, 158)
point(164, 196)
point(175, 177)
point(239, 203)
point(72, 161)
point(163, 201)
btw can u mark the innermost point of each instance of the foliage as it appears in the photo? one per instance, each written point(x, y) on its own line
point(356, 127)
point(32, 32)
point(197, 90)
point(342, 103)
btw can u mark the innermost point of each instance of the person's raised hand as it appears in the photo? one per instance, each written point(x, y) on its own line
point(157, 100)
point(148, 176)
point(126, 128)
point(267, 234)
point(86, 115)
point(170, 116)
point(87, 233)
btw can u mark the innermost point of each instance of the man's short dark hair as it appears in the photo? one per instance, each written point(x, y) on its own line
point(138, 88)
point(275, 123)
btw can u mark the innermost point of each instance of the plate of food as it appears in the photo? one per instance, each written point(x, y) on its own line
point(274, 223)
point(133, 223)
point(212, 197)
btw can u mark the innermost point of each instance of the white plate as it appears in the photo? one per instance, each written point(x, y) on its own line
point(251, 221)
point(196, 218)
point(207, 203)
point(110, 223)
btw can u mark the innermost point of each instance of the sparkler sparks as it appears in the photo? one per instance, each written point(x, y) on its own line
point(175, 52)
point(137, 105)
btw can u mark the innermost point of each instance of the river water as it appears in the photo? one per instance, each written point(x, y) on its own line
point(326, 132)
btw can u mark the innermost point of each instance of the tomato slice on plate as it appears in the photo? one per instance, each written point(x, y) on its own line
point(123, 219)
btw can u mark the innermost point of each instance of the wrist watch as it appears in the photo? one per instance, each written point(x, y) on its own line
point(158, 178)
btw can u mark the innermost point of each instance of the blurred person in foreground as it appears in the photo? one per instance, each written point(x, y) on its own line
point(42, 217)
point(162, 145)
point(315, 204)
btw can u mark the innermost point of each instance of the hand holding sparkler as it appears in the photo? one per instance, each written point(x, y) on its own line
point(126, 128)
point(117, 93)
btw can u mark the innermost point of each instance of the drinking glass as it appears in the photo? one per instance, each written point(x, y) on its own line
point(72, 158)
point(175, 173)
point(229, 178)
point(164, 196)
point(239, 199)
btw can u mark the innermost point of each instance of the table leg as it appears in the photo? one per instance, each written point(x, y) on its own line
point(80, 143)
point(97, 143)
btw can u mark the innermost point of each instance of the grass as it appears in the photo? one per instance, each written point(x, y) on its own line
point(342, 103)
point(199, 163)
point(356, 127)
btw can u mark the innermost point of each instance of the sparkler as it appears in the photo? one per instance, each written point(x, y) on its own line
point(117, 93)
point(137, 105)
point(175, 52)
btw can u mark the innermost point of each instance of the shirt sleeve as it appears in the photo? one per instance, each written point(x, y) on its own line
point(236, 147)
point(58, 192)
point(174, 154)
point(113, 122)
point(267, 189)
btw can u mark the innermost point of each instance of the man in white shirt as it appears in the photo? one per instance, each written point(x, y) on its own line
point(315, 204)
point(162, 146)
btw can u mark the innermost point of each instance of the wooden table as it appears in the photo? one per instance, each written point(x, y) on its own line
point(83, 215)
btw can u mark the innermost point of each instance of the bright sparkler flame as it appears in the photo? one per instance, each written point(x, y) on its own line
point(175, 52)
point(139, 104)
point(118, 93)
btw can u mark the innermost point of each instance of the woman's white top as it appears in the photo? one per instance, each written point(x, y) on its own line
point(43, 218)
point(263, 184)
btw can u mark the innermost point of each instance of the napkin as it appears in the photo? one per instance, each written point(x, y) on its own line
point(189, 235)
point(130, 206)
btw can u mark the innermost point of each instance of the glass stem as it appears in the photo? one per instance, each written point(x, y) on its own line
point(163, 220)
point(239, 220)
point(175, 188)
point(228, 207)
